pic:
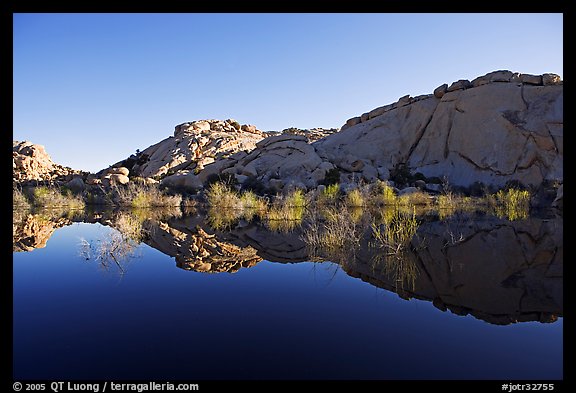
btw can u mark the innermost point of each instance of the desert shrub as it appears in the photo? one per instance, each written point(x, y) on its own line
point(385, 194)
point(235, 124)
point(249, 200)
point(419, 176)
point(332, 176)
point(143, 195)
point(414, 198)
point(225, 178)
point(329, 194)
point(255, 185)
point(295, 198)
point(434, 180)
point(44, 196)
point(220, 194)
point(477, 189)
point(401, 175)
point(515, 185)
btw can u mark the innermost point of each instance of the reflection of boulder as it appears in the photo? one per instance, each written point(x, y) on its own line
point(31, 231)
point(270, 245)
point(194, 249)
point(498, 271)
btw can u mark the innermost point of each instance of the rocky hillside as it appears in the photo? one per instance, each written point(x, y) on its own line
point(499, 127)
point(193, 146)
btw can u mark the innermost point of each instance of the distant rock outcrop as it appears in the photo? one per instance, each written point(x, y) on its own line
point(312, 134)
point(30, 162)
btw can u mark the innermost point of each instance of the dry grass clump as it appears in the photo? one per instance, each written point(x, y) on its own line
point(19, 200)
point(140, 195)
point(52, 197)
point(355, 198)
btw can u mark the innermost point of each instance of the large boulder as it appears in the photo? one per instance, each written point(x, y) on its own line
point(508, 126)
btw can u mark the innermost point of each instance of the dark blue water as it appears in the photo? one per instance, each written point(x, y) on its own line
point(72, 319)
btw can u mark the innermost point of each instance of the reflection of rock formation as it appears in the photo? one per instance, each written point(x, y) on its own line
point(194, 249)
point(30, 231)
point(498, 271)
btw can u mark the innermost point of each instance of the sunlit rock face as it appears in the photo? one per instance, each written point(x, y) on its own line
point(30, 161)
point(193, 146)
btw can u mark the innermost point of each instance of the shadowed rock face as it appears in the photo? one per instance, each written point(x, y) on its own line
point(496, 270)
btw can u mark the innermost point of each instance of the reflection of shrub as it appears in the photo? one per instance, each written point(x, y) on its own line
point(396, 232)
point(336, 235)
point(19, 200)
point(512, 203)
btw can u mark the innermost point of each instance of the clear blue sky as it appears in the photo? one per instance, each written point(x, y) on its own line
point(93, 88)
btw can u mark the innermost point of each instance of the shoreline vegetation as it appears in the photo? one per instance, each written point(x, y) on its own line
point(510, 202)
point(333, 222)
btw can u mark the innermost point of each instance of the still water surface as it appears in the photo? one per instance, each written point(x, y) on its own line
point(285, 319)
